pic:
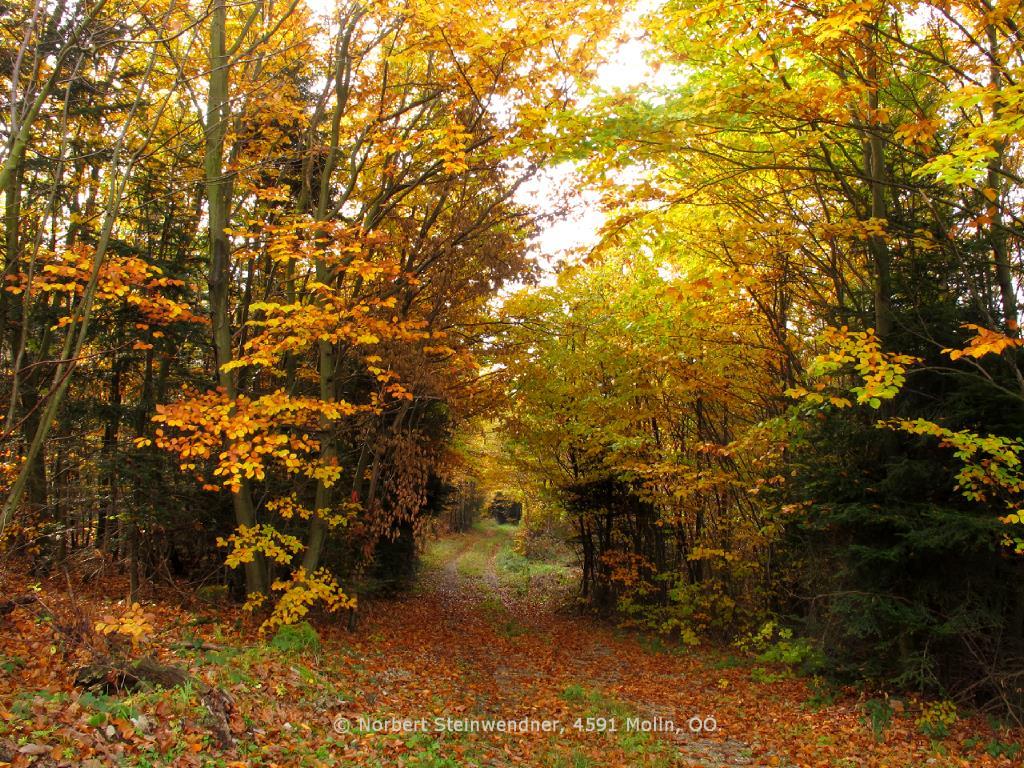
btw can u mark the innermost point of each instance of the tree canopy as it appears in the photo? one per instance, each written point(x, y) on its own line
point(273, 309)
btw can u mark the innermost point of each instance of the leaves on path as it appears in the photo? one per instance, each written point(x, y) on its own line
point(482, 638)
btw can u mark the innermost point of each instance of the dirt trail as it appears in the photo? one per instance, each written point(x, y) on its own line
point(488, 636)
point(448, 675)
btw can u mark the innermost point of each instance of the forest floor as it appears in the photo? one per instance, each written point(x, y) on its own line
point(485, 647)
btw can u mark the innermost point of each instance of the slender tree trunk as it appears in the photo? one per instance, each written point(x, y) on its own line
point(328, 351)
point(218, 202)
point(1004, 275)
point(874, 167)
point(133, 561)
point(10, 304)
point(108, 512)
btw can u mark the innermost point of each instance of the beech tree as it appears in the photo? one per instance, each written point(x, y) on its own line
point(332, 200)
point(270, 308)
point(851, 169)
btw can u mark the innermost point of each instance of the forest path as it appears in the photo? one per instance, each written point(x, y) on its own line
point(486, 662)
point(490, 636)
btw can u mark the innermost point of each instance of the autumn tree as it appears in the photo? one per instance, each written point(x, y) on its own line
point(850, 169)
point(83, 286)
point(352, 232)
point(642, 422)
point(276, 232)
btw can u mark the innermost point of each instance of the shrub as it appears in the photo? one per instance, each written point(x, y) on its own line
point(296, 637)
point(878, 715)
point(774, 644)
point(937, 719)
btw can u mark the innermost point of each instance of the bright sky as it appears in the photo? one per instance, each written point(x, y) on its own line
point(624, 69)
point(554, 187)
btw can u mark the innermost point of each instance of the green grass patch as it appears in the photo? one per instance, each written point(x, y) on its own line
point(473, 563)
point(11, 664)
point(643, 748)
point(439, 552)
point(292, 638)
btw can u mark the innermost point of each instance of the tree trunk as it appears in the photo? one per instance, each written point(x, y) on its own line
point(218, 201)
point(874, 167)
point(1004, 275)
